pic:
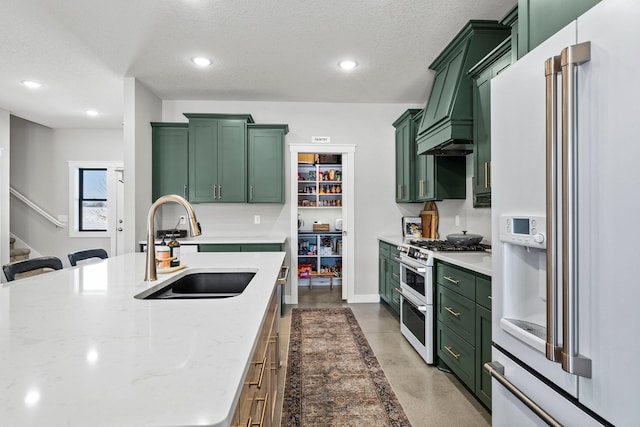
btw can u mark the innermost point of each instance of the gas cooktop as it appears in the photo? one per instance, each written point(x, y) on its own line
point(446, 246)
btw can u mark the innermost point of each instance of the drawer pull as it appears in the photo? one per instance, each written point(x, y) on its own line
point(454, 281)
point(259, 382)
point(457, 356)
point(450, 310)
point(397, 276)
point(489, 296)
point(264, 399)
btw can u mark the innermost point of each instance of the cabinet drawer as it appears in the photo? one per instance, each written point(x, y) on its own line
point(483, 292)
point(395, 271)
point(211, 247)
point(458, 313)
point(384, 249)
point(458, 354)
point(457, 280)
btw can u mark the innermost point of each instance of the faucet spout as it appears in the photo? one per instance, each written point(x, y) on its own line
point(150, 272)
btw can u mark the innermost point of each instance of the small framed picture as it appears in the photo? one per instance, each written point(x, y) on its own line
point(411, 226)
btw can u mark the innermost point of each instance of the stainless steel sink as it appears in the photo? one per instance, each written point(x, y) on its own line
point(201, 285)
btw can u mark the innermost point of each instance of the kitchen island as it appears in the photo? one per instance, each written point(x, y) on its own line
point(77, 349)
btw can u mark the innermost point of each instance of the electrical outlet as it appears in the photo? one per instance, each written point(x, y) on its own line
point(256, 219)
point(183, 219)
point(457, 219)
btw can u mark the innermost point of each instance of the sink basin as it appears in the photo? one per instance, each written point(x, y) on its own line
point(201, 285)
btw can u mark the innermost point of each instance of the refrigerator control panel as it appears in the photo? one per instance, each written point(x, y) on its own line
point(524, 230)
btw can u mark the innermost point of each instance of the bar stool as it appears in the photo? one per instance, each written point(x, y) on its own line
point(76, 256)
point(33, 264)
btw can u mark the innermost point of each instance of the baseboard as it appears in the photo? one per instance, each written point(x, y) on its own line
point(367, 298)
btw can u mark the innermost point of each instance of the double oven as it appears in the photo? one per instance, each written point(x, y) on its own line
point(416, 300)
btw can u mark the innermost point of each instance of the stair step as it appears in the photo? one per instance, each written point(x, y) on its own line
point(18, 254)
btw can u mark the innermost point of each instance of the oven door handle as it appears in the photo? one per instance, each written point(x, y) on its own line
point(422, 308)
point(415, 268)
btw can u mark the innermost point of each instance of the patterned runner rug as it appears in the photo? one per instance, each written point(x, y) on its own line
point(333, 377)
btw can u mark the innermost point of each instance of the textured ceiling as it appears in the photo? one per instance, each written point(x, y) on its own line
point(262, 50)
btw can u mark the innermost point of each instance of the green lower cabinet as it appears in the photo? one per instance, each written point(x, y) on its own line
point(266, 163)
point(388, 276)
point(169, 159)
point(236, 247)
point(463, 312)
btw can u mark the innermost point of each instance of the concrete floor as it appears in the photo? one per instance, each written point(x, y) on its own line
point(428, 396)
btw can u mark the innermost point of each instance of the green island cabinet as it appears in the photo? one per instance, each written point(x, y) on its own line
point(240, 247)
point(218, 157)
point(421, 178)
point(389, 275)
point(169, 159)
point(265, 173)
point(540, 19)
point(490, 66)
point(463, 327)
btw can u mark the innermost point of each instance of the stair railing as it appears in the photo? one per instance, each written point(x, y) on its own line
point(36, 208)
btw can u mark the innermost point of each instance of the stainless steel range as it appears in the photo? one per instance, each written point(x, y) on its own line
point(416, 292)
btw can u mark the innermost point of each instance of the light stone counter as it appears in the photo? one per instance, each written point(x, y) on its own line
point(480, 262)
point(77, 349)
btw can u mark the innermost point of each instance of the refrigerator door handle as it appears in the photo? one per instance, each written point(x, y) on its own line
point(551, 71)
point(572, 361)
point(496, 370)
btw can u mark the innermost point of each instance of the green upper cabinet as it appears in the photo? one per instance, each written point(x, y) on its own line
point(489, 67)
point(540, 19)
point(218, 157)
point(446, 126)
point(440, 177)
point(266, 163)
point(406, 156)
point(169, 159)
point(421, 178)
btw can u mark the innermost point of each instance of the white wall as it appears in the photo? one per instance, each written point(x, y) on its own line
point(141, 107)
point(369, 126)
point(5, 127)
point(39, 170)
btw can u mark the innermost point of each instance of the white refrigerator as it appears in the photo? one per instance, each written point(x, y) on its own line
point(566, 226)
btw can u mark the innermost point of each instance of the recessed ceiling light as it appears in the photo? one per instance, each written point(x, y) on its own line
point(31, 84)
point(91, 113)
point(348, 64)
point(201, 61)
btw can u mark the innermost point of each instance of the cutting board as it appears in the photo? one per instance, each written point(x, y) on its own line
point(429, 217)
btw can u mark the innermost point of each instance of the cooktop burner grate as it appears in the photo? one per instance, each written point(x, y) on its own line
point(446, 246)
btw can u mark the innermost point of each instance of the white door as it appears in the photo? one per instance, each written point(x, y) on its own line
point(607, 102)
point(119, 234)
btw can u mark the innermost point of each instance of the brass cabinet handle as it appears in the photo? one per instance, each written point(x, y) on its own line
point(450, 310)
point(259, 382)
point(400, 191)
point(454, 281)
point(251, 192)
point(457, 356)
point(265, 401)
point(214, 192)
point(421, 187)
point(489, 179)
point(184, 191)
point(396, 276)
point(219, 192)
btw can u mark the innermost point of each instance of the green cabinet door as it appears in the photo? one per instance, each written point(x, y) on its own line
point(169, 159)
point(440, 177)
point(218, 157)
point(232, 161)
point(406, 128)
point(261, 247)
point(266, 163)
point(219, 247)
point(382, 276)
point(490, 66)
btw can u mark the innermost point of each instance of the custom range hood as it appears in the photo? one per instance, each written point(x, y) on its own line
point(447, 122)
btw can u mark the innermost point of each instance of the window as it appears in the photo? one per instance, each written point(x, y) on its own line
point(93, 198)
point(92, 201)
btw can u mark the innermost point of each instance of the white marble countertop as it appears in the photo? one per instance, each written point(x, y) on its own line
point(203, 240)
point(480, 262)
point(77, 349)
